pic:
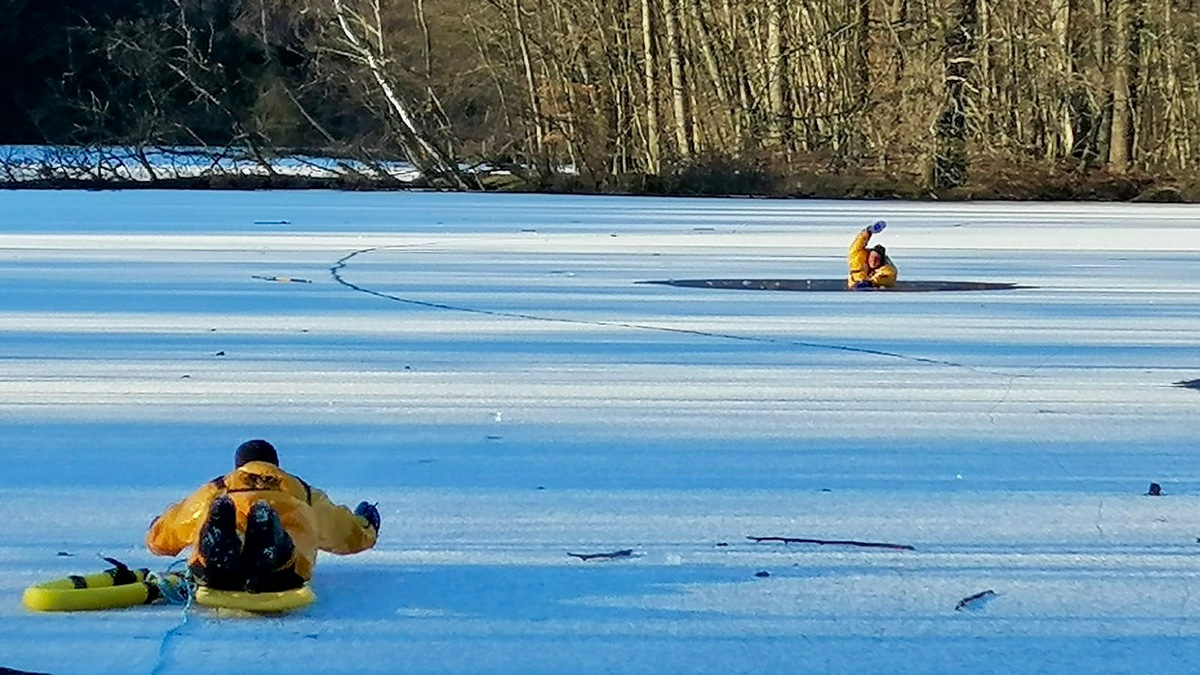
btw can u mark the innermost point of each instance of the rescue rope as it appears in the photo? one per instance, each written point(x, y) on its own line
point(177, 588)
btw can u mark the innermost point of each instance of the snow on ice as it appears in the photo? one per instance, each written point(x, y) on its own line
point(488, 369)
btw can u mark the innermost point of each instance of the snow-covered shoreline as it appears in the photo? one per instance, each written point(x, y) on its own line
point(100, 166)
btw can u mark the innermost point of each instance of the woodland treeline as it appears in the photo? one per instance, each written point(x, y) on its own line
point(968, 98)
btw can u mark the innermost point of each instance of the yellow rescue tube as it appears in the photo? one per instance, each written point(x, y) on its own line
point(259, 603)
point(113, 588)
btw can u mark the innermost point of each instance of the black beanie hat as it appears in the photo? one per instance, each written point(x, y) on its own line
point(256, 450)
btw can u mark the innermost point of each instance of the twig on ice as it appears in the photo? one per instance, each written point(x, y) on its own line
point(623, 553)
point(978, 598)
point(282, 280)
point(834, 542)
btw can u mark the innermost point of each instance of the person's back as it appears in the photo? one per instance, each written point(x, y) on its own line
point(283, 521)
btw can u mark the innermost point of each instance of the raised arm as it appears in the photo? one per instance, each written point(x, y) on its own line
point(859, 245)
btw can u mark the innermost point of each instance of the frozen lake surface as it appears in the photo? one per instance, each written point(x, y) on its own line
point(488, 369)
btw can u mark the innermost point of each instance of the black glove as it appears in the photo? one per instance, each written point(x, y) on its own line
point(368, 512)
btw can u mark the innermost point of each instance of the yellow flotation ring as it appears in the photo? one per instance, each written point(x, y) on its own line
point(121, 586)
point(116, 587)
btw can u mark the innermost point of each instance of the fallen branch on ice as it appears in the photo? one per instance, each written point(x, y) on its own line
point(282, 280)
point(623, 553)
point(971, 601)
point(834, 542)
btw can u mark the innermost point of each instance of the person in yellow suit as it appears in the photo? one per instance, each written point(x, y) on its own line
point(258, 528)
point(869, 267)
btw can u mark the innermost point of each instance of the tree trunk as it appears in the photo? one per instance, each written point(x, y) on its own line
point(950, 165)
point(776, 68)
point(535, 102)
point(1062, 143)
point(863, 53)
point(712, 68)
point(653, 152)
point(1122, 114)
point(426, 42)
point(679, 93)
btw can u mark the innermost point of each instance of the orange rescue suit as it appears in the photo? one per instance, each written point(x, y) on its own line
point(882, 277)
point(313, 521)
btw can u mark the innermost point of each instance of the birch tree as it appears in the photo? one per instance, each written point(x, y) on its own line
point(364, 41)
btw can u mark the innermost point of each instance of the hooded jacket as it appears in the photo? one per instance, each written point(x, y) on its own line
point(882, 277)
point(314, 522)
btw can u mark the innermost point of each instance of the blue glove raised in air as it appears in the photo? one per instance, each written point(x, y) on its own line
point(876, 227)
point(368, 512)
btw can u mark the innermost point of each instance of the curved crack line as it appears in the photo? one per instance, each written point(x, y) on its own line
point(336, 272)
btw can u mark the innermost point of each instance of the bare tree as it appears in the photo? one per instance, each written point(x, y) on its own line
point(649, 65)
point(364, 41)
point(776, 70)
point(950, 169)
point(679, 87)
point(1119, 74)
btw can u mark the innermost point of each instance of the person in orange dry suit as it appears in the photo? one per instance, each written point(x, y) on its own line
point(258, 528)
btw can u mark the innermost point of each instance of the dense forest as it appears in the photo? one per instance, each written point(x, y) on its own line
point(914, 98)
